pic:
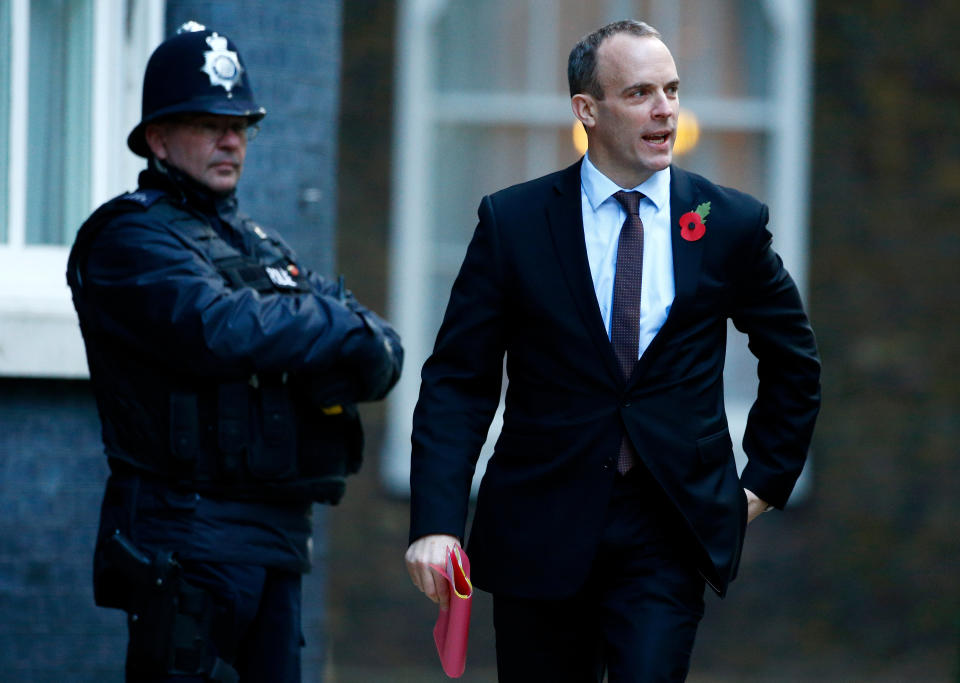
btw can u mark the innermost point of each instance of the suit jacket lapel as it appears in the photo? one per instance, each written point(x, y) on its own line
point(565, 220)
point(686, 262)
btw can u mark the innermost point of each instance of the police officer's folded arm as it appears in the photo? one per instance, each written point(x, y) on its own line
point(173, 304)
point(376, 360)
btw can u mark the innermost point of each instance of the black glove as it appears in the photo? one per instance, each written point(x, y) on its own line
point(377, 362)
point(372, 358)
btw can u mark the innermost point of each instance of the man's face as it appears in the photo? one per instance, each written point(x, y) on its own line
point(207, 147)
point(635, 124)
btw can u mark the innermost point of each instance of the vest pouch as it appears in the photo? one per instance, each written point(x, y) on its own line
point(184, 432)
point(331, 444)
point(233, 434)
point(276, 458)
point(353, 439)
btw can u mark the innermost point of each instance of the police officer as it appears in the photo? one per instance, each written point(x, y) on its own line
point(226, 376)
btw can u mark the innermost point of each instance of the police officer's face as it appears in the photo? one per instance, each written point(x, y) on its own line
point(207, 147)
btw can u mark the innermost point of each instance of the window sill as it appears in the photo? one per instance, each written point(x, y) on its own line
point(39, 332)
point(41, 344)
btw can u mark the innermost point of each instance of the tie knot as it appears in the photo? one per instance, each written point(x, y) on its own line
point(630, 201)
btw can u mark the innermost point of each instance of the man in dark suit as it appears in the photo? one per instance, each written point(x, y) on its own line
point(612, 494)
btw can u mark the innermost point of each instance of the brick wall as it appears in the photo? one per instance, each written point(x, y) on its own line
point(51, 478)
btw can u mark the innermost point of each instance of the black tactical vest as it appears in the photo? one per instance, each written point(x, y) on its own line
point(251, 438)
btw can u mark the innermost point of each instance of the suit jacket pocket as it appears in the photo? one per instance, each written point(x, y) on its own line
point(716, 448)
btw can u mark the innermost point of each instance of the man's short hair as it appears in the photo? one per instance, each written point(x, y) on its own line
point(582, 65)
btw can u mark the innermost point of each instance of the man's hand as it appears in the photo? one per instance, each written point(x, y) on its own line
point(755, 505)
point(420, 555)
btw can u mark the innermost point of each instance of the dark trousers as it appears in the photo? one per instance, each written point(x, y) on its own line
point(635, 618)
point(255, 625)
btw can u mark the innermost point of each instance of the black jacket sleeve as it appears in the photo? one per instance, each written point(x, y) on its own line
point(767, 307)
point(161, 298)
point(460, 390)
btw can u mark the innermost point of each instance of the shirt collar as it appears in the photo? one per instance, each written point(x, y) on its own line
point(599, 187)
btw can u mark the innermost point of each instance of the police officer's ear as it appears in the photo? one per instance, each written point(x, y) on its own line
point(156, 136)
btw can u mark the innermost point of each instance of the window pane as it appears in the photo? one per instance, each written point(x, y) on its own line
point(722, 49)
point(58, 155)
point(4, 116)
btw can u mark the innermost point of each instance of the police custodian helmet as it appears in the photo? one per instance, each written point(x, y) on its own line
point(195, 71)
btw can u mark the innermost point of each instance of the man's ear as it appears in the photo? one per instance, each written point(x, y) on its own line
point(584, 108)
point(156, 140)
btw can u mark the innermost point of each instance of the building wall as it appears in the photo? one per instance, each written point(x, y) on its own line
point(51, 478)
point(52, 468)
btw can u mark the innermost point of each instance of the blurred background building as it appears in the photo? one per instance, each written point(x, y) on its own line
point(841, 116)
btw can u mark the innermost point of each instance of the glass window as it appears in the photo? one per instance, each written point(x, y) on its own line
point(4, 116)
point(58, 161)
point(70, 74)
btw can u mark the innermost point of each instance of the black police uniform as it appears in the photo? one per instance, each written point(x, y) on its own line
point(225, 374)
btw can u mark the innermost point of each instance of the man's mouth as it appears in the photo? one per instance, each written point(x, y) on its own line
point(657, 138)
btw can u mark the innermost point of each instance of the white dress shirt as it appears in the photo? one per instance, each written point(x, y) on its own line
point(603, 216)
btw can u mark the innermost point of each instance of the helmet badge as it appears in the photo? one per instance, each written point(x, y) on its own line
point(221, 65)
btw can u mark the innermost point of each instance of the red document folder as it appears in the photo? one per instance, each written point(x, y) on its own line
point(453, 623)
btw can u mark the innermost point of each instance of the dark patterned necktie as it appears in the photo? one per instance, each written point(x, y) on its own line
point(625, 323)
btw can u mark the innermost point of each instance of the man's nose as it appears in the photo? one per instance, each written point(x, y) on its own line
point(231, 138)
point(662, 107)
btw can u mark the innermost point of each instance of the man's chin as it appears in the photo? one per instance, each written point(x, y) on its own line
point(662, 161)
point(222, 184)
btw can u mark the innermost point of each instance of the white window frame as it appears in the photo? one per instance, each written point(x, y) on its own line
point(39, 335)
point(783, 116)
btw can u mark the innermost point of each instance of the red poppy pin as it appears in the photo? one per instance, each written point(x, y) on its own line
point(693, 223)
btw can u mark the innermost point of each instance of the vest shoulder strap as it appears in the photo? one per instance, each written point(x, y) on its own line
point(139, 200)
